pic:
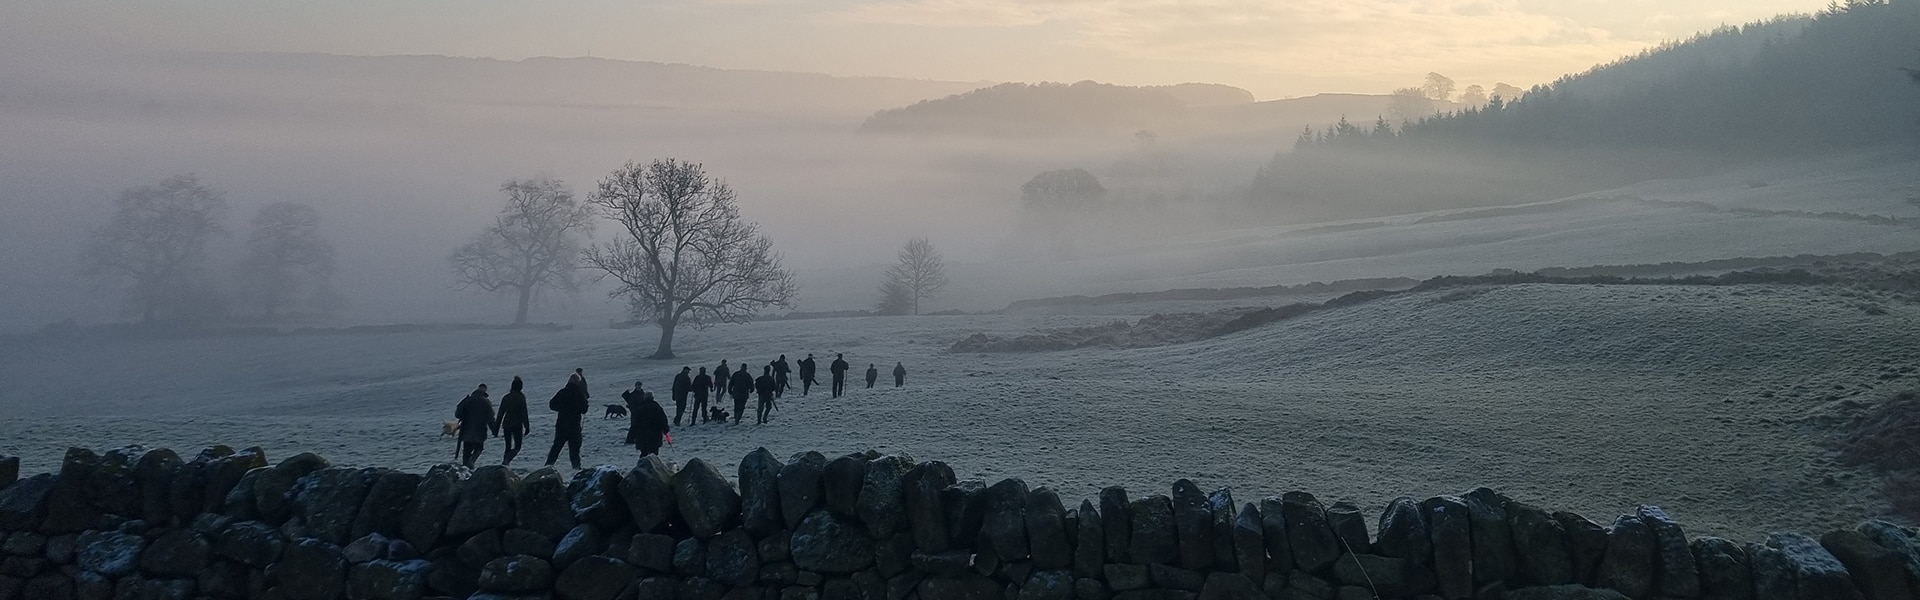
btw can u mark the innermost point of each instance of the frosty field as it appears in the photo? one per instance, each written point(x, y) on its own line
point(1712, 402)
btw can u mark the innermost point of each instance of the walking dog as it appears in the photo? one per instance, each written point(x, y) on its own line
point(615, 410)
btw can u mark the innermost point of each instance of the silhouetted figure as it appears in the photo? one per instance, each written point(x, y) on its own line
point(513, 421)
point(569, 406)
point(633, 399)
point(780, 371)
point(899, 374)
point(476, 421)
point(807, 373)
point(702, 384)
point(648, 426)
point(873, 374)
point(768, 387)
point(722, 377)
point(682, 384)
point(740, 387)
point(839, 370)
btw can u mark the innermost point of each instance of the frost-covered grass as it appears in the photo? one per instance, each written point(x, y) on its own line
point(1592, 398)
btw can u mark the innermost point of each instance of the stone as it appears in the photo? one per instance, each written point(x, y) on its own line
point(1090, 589)
point(251, 543)
point(1773, 573)
point(1089, 541)
point(480, 549)
point(22, 566)
point(882, 501)
point(385, 504)
point(110, 553)
point(541, 504)
point(1014, 572)
point(1309, 536)
point(48, 587)
point(371, 547)
point(516, 574)
point(447, 576)
point(223, 579)
point(1004, 526)
point(893, 555)
point(733, 559)
point(705, 498)
point(649, 588)
point(583, 541)
point(425, 520)
point(1632, 560)
point(23, 543)
point(187, 488)
point(840, 483)
point(1902, 541)
point(1116, 523)
point(596, 577)
point(1249, 543)
point(648, 493)
point(273, 488)
point(760, 493)
point(1679, 576)
point(486, 502)
point(1155, 536)
point(1047, 539)
point(777, 546)
point(528, 542)
point(595, 497)
point(960, 588)
point(902, 585)
point(1586, 544)
point(62, 548)
point(1349, 527)
point(9, 470)
point(312, 569)
point(1392, 577)
point(1193, 526)
point(1494, 557)
point(950, 563)
point(827, 542)
point(68, 509)
point(1403, 532)
point(153, 477)
point(1352, 592)
point(1273, 532)
point(966, 506)
point(1724, 571)
point(23, 505)
point(1448, 528)
point(651, 551)
point(690, 557)
point(1123, 576)
point(1540, 543)
point(328, 500)
point(88, 585)
point(240, 503)
point(923, 491)
point(388, 580)
point(698, 588)
point(1220, 505)
point(1304, 585)
point(177, 553)
point(799, 485)
point(1879, 572)
point(1817, 573)
point(1231, 586)
point(1563, 592)
point(112, 485)
point(1168, 576)
point(1047, 585)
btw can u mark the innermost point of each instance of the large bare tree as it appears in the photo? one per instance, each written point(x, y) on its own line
point(287, 262)
point(919, 273)
point(533, 244)
point(685, 257)
point(157, 241)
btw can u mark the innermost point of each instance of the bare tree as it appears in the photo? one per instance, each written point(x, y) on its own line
point(919, 274)
point(157, 241)
point(1438, 87)
point(686, 256)
point(287, 262)
point(533, 244)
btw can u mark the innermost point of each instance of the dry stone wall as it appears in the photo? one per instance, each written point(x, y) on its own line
point(134, 523)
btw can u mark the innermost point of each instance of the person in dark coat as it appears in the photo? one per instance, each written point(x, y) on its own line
point(780, 372)
point(649, 422)
point(741, 387)
point(476, 422)
point(569, 406)
point(768, 386)
point(721, 379)
point(682, 384)
point(632, 399)
point(702, 384)
point(839, 370)
point(873, 374)
point(808, 370)
point(513, 421)
point(899, 374)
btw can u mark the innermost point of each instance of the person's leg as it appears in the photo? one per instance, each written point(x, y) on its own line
point(739, 409)
point(513, 440)
point(559, 441)
point(679, 408)
point(573, 450)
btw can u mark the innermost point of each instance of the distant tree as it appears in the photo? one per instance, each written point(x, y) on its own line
point(533, 244)
point(287, 262)
point(1407, 104)
point(1438, 87)
point(1507, 92)
point(1473, 95)
point(919, 273)
point(1058, 202)
point(156, 241)
point(894, 298)
point(685, 257)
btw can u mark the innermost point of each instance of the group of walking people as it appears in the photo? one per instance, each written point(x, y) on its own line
point(649, 427)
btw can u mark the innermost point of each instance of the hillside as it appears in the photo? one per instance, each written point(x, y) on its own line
point(1088, 107)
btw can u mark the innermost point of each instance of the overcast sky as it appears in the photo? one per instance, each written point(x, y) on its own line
point(1276, 48)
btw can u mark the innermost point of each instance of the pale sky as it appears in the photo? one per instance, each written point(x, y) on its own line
point(1275, 48)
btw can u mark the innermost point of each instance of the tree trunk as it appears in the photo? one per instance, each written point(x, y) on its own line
point(665, 351)
point(526, 297)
